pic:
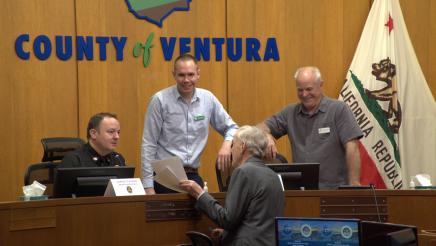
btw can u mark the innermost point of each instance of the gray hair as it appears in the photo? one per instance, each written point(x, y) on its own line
point(315, 71)
point(254, 139)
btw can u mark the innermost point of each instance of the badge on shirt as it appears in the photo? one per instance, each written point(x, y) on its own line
point(199, 117)
point(324, 130)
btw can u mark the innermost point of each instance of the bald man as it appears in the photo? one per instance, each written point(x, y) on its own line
point(320, 129)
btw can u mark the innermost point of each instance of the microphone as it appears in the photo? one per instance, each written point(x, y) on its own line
point(375, 201)
point(120, 162)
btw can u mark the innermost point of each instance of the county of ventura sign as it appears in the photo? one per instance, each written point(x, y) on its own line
point(85, 47)
point(155, 11)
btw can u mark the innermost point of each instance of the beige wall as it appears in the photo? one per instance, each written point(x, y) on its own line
point(56, 98)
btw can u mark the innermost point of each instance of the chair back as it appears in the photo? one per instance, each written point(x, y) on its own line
point(223, 177)
point(43, 173)
point(199, 239)
point(56, 148)
point(279, 159)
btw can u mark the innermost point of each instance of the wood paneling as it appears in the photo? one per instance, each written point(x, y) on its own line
point(323, 33)
point(126, 87)
point(38, 98)
point(121, 220)
point(56, 98)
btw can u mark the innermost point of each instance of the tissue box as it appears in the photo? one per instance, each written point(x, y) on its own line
point(33, 198)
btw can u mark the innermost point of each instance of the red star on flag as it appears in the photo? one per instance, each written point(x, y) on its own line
point(390, 23)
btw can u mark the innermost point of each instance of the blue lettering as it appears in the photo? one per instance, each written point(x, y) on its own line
point(42, 47)
point(102, 41)
point(218, 48)
point(64, 53)
point(84, 48)
point(202, 49)
point(119, 46)
point(184, 45)
point(271, 50)
point(19, 46)
point(234, 52)
point(252, 49)
point(168, 48)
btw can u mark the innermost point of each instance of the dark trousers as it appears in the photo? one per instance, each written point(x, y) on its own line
point(160, 189)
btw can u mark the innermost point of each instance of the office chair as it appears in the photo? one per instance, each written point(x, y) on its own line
point(223, 177)
point(199, 239)
point(56, 148)
point(43, 173)
point(279, 159)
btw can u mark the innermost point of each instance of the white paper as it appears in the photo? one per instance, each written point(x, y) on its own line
point(173, 163)
point(168, 178)
point(169, 173)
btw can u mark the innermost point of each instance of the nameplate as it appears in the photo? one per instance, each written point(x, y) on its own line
point(171, 210)
point(124, 187)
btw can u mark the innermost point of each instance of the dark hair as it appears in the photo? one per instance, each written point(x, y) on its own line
point(185, 57)
point(95, 120)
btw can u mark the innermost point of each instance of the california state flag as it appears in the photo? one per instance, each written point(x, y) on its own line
point(390, 98)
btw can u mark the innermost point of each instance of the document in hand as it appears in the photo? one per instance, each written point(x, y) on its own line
point(169, 173)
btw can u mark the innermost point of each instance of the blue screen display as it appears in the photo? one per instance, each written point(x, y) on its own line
point(314, 232)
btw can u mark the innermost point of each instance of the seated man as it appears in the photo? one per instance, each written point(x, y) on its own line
point(254, 198)
point(103, 133)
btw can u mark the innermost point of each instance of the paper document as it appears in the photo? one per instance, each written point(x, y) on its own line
point(169, 173)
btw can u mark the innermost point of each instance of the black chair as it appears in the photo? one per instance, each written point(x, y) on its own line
point(279, 159)
point(199, 239)
point(43, 173)
point(56, 148)
point(223, 177)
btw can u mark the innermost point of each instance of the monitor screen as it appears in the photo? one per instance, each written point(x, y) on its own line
point(87, 181)
point(377, 233)
point(317, 231)
point(297, 176)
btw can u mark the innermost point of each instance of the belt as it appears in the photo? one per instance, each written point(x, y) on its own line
point(190, 169)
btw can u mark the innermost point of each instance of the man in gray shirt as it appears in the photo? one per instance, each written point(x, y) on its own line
point(320, 130)
point(177, 123)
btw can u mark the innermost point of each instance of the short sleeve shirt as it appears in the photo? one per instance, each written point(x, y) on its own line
point(319, 138)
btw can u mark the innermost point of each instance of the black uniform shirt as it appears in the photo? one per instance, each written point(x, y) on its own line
point(88, 157)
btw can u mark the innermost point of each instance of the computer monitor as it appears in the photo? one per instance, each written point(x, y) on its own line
point(377, 233)
point(297, 176)
point(87, 181)
point(317, 231)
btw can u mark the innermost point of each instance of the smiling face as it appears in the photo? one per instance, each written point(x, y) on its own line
point(104, 139)
point(309, 89)
point(186, 73)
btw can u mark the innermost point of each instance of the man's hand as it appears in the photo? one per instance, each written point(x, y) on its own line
point(224, 156)
point(191, 187)
point(271, 149)
point(149, 191)
point(216, 233)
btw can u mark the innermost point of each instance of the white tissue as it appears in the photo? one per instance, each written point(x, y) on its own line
point(35, 189)
point(423, 179)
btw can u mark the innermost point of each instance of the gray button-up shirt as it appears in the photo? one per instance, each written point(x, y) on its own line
point(174, 128)
point(319, 138)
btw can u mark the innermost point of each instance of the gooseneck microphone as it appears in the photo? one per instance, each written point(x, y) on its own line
point(375, 201)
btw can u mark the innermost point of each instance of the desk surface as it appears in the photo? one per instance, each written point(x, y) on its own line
point(123, 220)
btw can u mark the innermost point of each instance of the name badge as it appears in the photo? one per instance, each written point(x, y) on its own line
point(324, 130)
point(199, 117)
